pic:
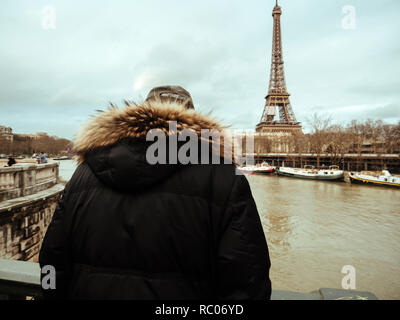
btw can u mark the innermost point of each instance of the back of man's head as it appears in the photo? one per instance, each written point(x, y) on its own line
point(171, 94)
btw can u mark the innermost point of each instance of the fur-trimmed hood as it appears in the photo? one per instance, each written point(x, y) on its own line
point(113, 143)
point(134, 121)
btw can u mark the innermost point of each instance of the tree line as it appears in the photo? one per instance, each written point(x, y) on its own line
point(369, 136)
point(357, 137)
point(325, 136)
point(27, 145)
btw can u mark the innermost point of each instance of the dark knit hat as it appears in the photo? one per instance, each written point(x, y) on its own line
point(171, 94)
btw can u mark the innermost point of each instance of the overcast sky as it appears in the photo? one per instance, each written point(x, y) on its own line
point(53, 79)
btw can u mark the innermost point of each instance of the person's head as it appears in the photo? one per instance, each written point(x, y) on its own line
point(174, 94)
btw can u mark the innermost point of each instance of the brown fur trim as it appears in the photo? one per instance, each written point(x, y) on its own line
point(134, 121)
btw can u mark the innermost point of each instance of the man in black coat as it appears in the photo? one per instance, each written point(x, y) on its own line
point(128, 229)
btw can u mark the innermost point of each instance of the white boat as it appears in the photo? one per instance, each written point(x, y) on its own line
point(309, 172)
point(263, 168)
point(383, 178)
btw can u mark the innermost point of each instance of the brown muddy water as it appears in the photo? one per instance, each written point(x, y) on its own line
point(314, 228)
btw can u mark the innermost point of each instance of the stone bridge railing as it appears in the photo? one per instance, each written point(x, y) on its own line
point(28, 197)
point(25, 179)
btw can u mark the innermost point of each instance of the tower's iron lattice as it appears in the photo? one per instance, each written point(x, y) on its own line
point(278, 97)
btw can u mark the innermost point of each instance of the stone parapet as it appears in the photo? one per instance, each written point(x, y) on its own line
point(24, 221)
point(25, 179)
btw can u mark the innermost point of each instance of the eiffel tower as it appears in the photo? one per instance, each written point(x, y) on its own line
point(278, 97)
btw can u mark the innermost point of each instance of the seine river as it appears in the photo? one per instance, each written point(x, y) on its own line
point(314, 228)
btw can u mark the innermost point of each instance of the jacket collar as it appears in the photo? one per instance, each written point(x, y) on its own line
point(134, 121)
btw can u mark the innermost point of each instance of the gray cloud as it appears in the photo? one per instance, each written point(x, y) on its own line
point(389, 112)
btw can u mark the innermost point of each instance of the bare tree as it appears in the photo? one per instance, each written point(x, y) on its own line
point(320, 136)
point(340, 142)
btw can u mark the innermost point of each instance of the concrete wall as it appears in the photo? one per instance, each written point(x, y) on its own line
point(28, 197)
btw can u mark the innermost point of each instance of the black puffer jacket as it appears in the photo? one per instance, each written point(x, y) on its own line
point(125, 229)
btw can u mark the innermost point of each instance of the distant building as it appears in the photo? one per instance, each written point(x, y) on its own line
point(368, 147)
point(22, 137)
point(6, 140)
point(40, 135)
point(6, 133)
